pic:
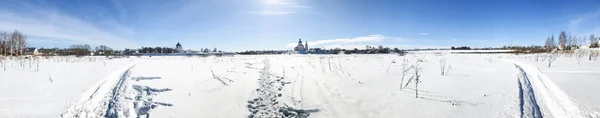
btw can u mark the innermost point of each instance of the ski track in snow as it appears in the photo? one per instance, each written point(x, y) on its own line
point(116, 97)
point(94, 102)
point(551, 100)
point(115, 105)
point(529, 107)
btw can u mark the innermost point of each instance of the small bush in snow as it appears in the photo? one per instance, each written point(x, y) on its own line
point(405, 70)
point(593, 55)
point(417, 69)
point(388, 69)
point(444, 68)
point(3, 62)
point(551, 58)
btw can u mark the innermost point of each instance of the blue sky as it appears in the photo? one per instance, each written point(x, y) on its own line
point(238, 25)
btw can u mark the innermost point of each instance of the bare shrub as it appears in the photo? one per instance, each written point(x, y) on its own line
point(551, 58)
point(579, 55)
point(593, 55)
point(388, 69)
point(37, 61)
point(417, 69)
point(3, 62)
point(405, 70)
point(444, 68)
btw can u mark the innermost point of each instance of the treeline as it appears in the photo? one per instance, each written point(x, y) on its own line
point(568, 41)
point(103, 50)
point(12, 43)
point(257, 52)
point(85, 50)
point(78, 50)
point(171, 50)
point(368, 50)
point(565, 41)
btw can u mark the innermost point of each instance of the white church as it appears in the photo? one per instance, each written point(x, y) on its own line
point(302, 49)
point(178, 48)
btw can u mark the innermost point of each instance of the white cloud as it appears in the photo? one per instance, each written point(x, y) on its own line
point(343, 41)
point(577, 21)
point(417, 46)
point(390, 46)
point(363, 41)
point(283, 3)
point(424, 34)
point(52, 25)
point(345, 46)
point(272, 12)
point(275, 2)
point(280, 7)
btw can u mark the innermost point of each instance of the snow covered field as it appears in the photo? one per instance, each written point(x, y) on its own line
point(47, 92)
point(315, 86)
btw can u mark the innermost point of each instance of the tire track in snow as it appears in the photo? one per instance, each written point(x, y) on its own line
point(117, 97)
point(94, 102)
point(115, 107)
point(550, 98)
point(527, 101)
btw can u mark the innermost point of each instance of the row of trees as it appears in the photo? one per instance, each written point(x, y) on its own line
point(12, 43)
point(171, 50)
point(568, 41)
point(369, 50)
point(78, 50)
point(156, 50)
point(84, 49)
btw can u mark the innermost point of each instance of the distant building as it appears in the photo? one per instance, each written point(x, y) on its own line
point(178, 48)
point(301, 48)
point(31, 51)
point(318, 51)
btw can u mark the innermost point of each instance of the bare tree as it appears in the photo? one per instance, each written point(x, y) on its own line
point(593, 41)
point(562, 39)
point(568, 41)
point(4, 37)
point(22, 43)
point(11, 45)
point(104, 49)
point(575, 42)
point(2, 47)
point(17, 43)
point(80, 50)
point(549, 43)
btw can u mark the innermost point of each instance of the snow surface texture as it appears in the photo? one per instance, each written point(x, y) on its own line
point(301, 86)
point(267, 105)
point(117, 100)
point(528, 102)
point(49, 90)
point(557, 103)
